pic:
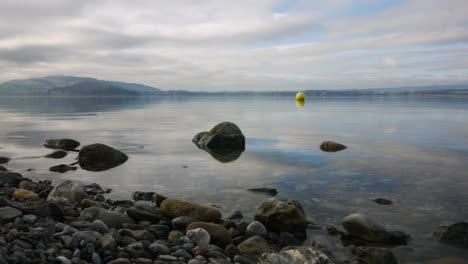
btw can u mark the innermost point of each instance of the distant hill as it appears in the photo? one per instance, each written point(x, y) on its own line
point(73, 86)
point(83, 86)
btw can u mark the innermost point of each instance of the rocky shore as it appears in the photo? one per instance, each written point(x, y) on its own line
point(71, 222)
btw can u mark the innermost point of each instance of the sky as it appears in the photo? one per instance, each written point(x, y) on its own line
point(238, 45)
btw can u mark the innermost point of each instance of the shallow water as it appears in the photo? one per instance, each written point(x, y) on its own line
point(412, 150)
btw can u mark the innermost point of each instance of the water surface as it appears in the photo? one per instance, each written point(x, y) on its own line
point(412, 150)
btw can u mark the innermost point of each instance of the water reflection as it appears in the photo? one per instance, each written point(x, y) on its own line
point(225, 156)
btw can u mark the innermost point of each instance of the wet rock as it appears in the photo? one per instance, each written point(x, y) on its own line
point(256, 228)
point(2, 168)
point(362, 226)
point(199, 236)
point(8, 214)
point(10, 178)
point(43, 208)
point(141, 211)
point(282, 215)
point(4, 160)
point(99, 157)
point(254, 246)
point(219, 235)
point(373, 255)
point(174, 208)
point(85, 237)
point(62, 168)
point(159, 249)
point(22, 194)
point(65, 144)
point(330, 146)
point(93, 189)
point(225, 135)
point(235, 215)
point(110, 218)
point(269, 191)
point(143, 196)
point(383, 201)
point(69, 190)
point(158, 199)
point(58, 154)
point(42, 188)
point(296, 255)
point(181, 222)
point(456, 234)
point(231, 251)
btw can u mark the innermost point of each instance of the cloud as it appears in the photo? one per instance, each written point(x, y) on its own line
point(241, 45)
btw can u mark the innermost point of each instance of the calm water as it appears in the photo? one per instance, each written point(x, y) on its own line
point(413, 151)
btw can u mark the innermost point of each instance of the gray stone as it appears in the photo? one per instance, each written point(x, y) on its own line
point(199, 236)
point(182, 254)
point(218, 233)
point(256, 228)
point(167, 258)
point(181, 222)
point(69, 190)
point(120, 261)
point(10, 178)
point(225, 135)
point(85, 237)
point(255, 246)
point(456, 234)
point(159, 249)
point(110, 218)
point(8, 214)
point(63, 260)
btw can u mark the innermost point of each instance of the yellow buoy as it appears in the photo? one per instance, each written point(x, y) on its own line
point(300, 96)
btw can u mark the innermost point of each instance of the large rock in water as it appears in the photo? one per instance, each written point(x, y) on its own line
point(362, 226)
point(330, 146)
point(282, 215)
point(174, 208)
point(110, 218)
point(4, 160)
point(225, 135)
point(99, 157)
point(456, 234)
point(64, 143)
point(69, 190)
point(295, 255)
point(10, 178)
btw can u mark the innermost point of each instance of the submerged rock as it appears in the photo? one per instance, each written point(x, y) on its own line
point(4, 160)
point(69, 190)
point(373, 255)
point(364, 227)
point(62, 168)
point(456, 234)
point(174, 208)
point(270, 191)
point(383, 201)
point(296, 255)
point(282, 215)
point(58, 154)
point(65, 144)
point(330, 146)
point(99, 157)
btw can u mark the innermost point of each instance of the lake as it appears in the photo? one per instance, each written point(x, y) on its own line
point(411, 150)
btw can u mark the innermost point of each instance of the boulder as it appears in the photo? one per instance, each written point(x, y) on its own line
point(99, 157)
point(69, 190)
point(4, 160)
point(10, 178)
point(65, 144)
point(364, 227)
point(219, 235)
point(330, 146)
point(110, 218)
point(373, 255)
point(174, 208)
point(254, 246)
point(282, 215)
point(8, 214)
point(22, 194)
point(456, 234)
point(296, 255)
point(58, 154)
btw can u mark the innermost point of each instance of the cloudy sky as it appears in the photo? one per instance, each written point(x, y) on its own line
point(238, 45)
